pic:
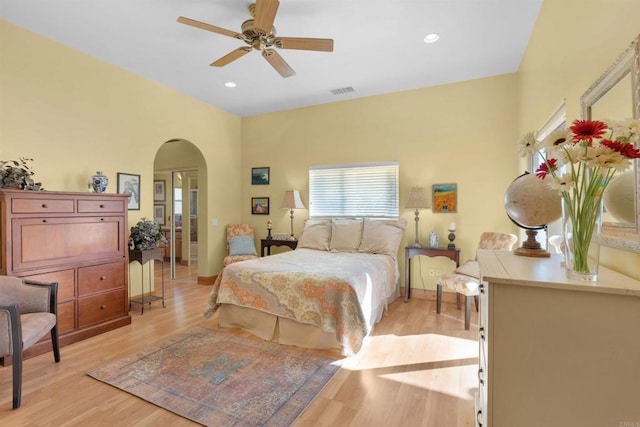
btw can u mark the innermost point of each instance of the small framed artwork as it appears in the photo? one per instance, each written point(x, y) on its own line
point(259, 176)
point(445, 198)
point(129, 183)
point(159, 194)
point(158, 214)
point(259, 206)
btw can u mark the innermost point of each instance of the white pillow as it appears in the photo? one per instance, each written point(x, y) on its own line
point(316, 234)
point(346, 234)
point(382, 236)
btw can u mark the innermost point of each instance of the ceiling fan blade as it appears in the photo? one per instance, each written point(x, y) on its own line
point(265, 14)
point(208, 27)
point(324, 45)
point(278, 63)
point(231, 56)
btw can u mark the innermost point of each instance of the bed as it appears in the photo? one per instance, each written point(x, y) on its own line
point(328, 293)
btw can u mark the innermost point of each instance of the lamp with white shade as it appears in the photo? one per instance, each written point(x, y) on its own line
point(292, 201)
point(416, 201)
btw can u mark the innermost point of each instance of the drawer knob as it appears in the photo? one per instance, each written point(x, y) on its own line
point(103, 277)
point(44, 220)
point(103, 307)
point(102, 206)
point(44, 205)
point(101, 219)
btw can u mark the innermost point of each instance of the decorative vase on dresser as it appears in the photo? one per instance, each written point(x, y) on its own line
point(554, 351)
point(99, 182)
point(78, 240)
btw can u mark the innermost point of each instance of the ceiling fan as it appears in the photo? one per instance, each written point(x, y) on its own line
point(260, 34)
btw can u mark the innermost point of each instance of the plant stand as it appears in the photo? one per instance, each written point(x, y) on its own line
point(143, 257)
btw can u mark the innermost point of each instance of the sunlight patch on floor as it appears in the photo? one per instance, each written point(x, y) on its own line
point(416, 349)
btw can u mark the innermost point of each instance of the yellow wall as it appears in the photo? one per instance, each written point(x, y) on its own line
point(460, 133)
point(573, 43)
point(74, 115)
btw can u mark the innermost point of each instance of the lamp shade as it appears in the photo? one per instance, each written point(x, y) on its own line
point(292, 200)
point(416, 199)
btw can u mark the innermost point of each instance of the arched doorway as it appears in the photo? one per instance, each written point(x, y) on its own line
point(180, 169)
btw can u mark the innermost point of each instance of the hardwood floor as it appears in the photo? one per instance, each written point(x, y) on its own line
point(417, 369)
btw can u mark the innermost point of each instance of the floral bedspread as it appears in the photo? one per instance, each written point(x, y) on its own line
point(342, 293)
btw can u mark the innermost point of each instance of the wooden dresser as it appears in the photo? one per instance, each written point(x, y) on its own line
point(78, 240)
point(556, 352)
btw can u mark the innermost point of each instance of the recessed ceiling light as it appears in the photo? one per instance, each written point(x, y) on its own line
point(431, 38)
point(230, 84)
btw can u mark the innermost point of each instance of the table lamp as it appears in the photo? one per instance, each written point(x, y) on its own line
point(416, 201)
point(292, 201)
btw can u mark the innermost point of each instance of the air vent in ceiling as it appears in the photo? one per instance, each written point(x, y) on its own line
point(342, 90)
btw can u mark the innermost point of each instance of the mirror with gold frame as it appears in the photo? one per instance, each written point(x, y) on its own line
point(616, 95)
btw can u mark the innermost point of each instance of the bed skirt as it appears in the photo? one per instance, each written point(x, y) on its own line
point(277, 329)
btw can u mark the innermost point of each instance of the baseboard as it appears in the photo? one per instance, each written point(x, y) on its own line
point(209, 280)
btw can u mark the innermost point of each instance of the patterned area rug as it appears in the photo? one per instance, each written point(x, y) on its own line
point(220, 379)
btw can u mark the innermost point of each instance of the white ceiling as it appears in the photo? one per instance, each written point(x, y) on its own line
point(378, 44)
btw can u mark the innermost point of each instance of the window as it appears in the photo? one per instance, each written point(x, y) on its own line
point(363, 189)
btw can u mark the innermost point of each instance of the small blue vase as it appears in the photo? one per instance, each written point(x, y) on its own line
point(99, 182)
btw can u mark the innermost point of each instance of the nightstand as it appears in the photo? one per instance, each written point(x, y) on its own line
point(267, 243)
point(409, 252)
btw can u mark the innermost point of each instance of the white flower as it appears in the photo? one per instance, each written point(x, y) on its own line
point(556, 139)
point(625, 130)
point(562, 183)
point(528, 144)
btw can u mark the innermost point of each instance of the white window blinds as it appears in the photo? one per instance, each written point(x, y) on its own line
point(363, 189)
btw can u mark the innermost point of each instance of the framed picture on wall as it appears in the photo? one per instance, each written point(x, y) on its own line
point(259, 206)
point(444, 198)
point(260, 176)
point(159, 192)
point(129, 183)
point(158, 214)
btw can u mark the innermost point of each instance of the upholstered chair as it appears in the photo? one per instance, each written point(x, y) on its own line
point(27, 313)
point(465, 280)
point(240, 243)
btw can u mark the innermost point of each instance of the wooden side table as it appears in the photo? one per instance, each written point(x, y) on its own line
point(267, 243)
point(409, 252)
point(144, 257)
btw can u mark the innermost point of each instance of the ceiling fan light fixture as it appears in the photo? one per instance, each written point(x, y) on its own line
point(432, 38)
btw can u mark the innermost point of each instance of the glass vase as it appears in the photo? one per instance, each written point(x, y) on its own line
point(581, 226)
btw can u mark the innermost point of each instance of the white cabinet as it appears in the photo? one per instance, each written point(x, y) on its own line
point(553, 351)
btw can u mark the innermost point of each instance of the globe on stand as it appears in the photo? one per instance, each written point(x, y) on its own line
point(531, 204)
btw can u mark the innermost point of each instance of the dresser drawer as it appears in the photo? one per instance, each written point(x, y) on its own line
point(66, 317)
point(93, 206)
point(41, 206)
point(101, 307)
point(66, 282)
point(99, 278)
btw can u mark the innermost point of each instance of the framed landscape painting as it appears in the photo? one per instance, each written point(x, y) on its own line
point(445, 198)
point(259, 176)
point(259, 206)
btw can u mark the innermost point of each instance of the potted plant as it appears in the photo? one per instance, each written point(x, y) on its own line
point(17, 174)
point(145, 235)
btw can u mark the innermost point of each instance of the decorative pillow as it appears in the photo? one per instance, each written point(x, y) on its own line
point(469, 268)
point(346, 234)
point(316, 234)
point(242, 245)
point(382, 236)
